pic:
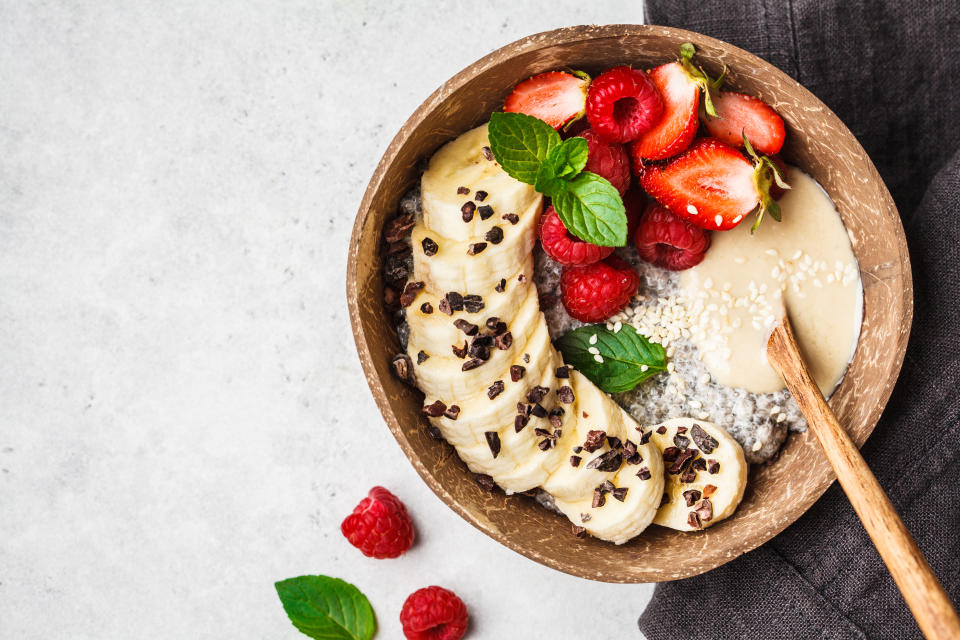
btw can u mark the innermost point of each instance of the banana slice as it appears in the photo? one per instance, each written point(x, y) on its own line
point(481, 413)
point(477, 264)
point(595, 411)
point(623, 506)
point(463, 164)
point(442, 375)
point(707, 486)
point(434, 331)
point(522, 460)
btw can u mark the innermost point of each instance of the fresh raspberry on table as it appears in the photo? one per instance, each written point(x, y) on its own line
point(623, 104)
point(379, 526)
point(564, 247)
point(597, 291)
point(433, 613)
point(608, 160)
point(666, 241)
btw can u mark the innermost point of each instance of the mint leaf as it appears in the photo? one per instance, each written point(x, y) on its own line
point(591, 209)
point(520, 143)
point(628, 357)
point(327, 608)
point(562, 163)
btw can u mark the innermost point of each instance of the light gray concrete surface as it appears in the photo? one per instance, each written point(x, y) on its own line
point(183, 418)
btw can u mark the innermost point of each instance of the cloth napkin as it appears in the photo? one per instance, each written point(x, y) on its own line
point(890, 69)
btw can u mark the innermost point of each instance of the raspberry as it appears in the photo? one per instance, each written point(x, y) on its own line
point(564, 247)
point(608, 160)
point(666, 241)
point(597, 291)
point(433, 613)
point(634, 202)
point(379, 526)
point(623, 104)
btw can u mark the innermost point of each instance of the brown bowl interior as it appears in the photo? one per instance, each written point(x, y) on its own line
point(778, 493)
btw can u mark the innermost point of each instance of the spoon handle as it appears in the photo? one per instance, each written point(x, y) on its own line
point(929, 603)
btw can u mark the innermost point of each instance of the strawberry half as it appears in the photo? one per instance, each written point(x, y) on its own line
point(739, 114)
point(556, 97)
point(678, 125)
point(713, 186)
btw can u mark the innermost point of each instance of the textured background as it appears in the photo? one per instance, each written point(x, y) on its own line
point(183, 419)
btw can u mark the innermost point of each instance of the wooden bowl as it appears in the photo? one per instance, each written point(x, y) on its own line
point(777, 493)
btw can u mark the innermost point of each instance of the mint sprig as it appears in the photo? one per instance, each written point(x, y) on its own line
point(531, 151)
point(326, 608)
point(624, 358)
point(520, 143)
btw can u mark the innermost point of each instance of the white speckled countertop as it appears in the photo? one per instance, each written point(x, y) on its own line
point(183, 418)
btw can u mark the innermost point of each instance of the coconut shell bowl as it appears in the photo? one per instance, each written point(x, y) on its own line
point(778, 493)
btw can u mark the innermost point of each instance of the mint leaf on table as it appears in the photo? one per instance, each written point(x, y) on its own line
point(520, 143)
point(591, 209)
point(628, 357)
point(327, 608)
point(562, 163)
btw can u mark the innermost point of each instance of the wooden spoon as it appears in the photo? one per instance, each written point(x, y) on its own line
point(929, 603)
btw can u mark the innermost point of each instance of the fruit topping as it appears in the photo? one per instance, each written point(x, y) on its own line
point(566, 248)
point(674, 132)
point(556, 97)
point(622, 104)
point(634, 203)
point(380, 525)
point(666, 241)
point(608, 160)
point(713, 186)
point(433, 613)
point(597, 291)
point(741, 115)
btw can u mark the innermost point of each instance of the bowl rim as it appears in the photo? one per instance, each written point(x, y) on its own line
point(528, 44)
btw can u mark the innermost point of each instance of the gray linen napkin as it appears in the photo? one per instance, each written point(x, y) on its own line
point(890, 69)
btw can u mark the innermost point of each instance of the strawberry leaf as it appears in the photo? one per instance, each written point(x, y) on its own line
point(563, 163)
point(591, 209)
point(628, 357)
point(520, 144)
point(327, 608)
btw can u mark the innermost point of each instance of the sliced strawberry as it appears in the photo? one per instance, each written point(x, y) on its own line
point(556, 97)
point(666, 241)
point(739, 114)
point(712, 185)
point(678, 125)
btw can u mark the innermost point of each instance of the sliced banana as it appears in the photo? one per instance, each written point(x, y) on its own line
point(477, 264)
point(481, 413)
point(464, 164)
point(627, 502)
point(434, 330)
point(594, 412)
point(702, 488)
point(521, 462)
point(442, 375)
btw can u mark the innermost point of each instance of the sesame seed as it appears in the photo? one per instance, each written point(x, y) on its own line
point(757, 445)
point(781, 417)
point(593, 350)
point(738, 219)
point(719, 220)
point(598, 358)
point(617, 326)
point(593, 339)
point(693, 210)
